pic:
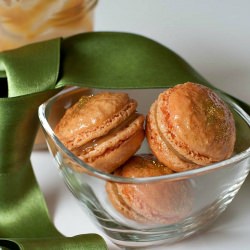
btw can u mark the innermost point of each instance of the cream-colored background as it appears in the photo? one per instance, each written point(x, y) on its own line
point(214, 37)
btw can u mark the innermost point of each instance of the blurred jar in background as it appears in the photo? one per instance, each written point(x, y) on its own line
point(26, 21)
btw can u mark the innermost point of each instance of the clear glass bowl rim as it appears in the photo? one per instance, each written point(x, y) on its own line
point(173, 177)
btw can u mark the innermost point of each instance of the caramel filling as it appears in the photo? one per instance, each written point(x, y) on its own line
point(86, 148)
point(175, 152)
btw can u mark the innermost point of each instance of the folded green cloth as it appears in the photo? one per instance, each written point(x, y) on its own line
point(29, 76)
point(32, 74)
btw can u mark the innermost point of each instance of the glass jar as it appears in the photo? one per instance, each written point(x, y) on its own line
point(27, 21)
point(24, 22)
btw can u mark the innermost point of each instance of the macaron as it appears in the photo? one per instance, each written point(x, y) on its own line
point(159, 202)
point(103, 130)
point(190, 126)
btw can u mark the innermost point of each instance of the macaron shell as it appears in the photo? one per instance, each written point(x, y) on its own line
point(111, 140)
point(143, 165)
point(115, 157)
point(92, 117)
point(120, 205)
point(196, 123)
point(112, 150)
point(102, 130)
point(161, 149)
point(158, 203)
point(127, 210)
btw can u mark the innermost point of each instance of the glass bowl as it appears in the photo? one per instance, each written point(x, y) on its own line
point(207, 193)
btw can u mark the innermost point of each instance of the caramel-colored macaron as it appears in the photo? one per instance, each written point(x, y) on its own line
point(103, 130)
point(160, 202)
point(189, 126)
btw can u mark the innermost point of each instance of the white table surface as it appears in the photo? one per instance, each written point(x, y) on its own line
point(214, 37)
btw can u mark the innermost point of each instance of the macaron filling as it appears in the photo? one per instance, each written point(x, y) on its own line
point(93, 144)
point(168, 145)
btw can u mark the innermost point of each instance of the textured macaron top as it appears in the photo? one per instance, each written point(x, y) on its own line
point(94, 116)
point(196, 123)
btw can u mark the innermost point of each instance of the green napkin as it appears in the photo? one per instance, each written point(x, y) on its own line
point(29, 76)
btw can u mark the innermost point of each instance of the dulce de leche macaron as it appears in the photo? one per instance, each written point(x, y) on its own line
point(190, 126)
point(103, 130)
point(159, 202)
